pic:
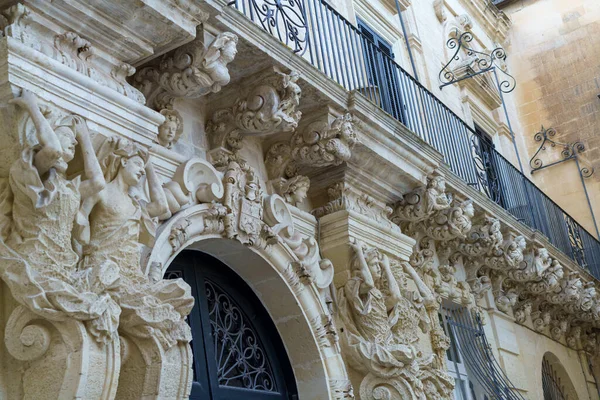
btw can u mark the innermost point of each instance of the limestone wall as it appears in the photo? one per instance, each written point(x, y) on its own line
point(555, 53)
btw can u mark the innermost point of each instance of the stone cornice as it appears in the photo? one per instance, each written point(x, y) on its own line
point(129, 33)
point(379, 21)
point(494, 22)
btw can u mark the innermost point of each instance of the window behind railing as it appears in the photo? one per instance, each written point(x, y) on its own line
point(360, 61)
point(470, 360)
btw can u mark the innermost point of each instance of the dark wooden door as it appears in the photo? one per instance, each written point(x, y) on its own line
point(238, 354)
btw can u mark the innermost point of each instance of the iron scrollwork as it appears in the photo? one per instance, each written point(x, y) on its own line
point(575, 241)
point(241, 358)
point(284, 19)
point(569, 151)
point(486, 173)
point(471, 63)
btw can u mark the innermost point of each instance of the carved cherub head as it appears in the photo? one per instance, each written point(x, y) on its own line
point(437, 184)
point(345, 124)
point(468, 208)
point(170, 130)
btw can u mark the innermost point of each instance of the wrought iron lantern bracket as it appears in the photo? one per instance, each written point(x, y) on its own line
point(474, 63)
point(570, 151)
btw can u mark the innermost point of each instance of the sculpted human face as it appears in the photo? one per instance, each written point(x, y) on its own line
point(375, 268)
point(167, 132)
point(67, 140)
point(133, 169)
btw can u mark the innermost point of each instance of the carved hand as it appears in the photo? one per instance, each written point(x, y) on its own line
point(27, 100)
point(81, 128)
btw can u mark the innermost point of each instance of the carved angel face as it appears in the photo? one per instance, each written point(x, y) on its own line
point(468, 209)
point(132, 170)
point(167, 133)
point(438, 183)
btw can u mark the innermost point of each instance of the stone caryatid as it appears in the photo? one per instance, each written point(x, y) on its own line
point(380, 330)
point(39, 264)
point(114, 223)
point(66, 318)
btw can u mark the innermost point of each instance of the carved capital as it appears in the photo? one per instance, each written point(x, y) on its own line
point(343, 196)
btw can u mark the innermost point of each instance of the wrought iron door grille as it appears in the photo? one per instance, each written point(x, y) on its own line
point(477, 354)
point(553, 389)
point(241, 358)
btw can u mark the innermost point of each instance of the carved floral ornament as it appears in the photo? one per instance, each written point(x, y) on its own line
point(523, 278)
point(71, 244)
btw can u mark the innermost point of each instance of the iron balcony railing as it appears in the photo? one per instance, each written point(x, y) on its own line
point(358, 62)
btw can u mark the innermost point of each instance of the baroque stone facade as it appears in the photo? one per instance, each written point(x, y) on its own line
point(353, 233)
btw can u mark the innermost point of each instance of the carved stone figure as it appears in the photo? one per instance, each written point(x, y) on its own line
point(380, 328)
point(39, 263)
point(114, 224)
point(322, 144)
point(293, 190)
point(422, 202)
point(170, 131)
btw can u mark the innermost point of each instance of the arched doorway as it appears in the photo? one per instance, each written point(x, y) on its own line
point(238, 353)
point(556, 383)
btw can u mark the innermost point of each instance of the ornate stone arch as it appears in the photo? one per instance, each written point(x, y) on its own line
point(280, 278)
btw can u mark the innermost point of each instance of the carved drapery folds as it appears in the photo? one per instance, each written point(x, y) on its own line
point(269, 107)
point(381, 319)
point(523, 278)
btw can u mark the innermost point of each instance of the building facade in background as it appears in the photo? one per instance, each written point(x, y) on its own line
point(289, 199)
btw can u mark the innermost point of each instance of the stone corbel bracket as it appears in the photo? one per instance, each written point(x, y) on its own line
point(524, 278)
point(269, 106)
point(190, 71)
point(326, 142)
